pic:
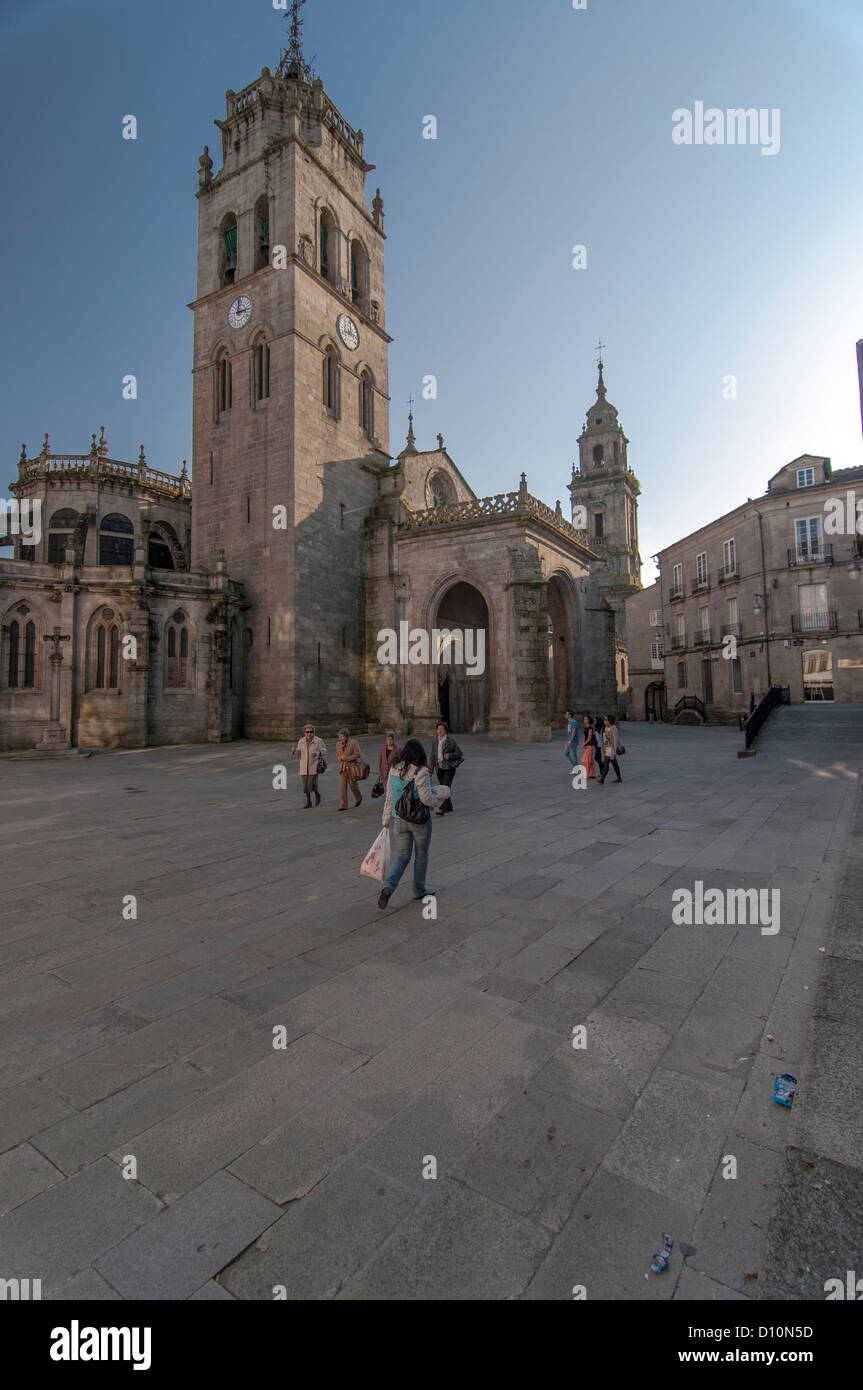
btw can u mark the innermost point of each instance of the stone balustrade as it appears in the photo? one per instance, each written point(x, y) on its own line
point(88, 465)
point(502, 504)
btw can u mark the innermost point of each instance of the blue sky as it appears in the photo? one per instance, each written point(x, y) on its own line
point(554, 129)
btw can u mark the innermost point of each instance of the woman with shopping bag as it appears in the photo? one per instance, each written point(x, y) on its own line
point(410, 792)
point(352, 769)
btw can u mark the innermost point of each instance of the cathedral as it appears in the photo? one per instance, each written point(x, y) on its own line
point(249, 599)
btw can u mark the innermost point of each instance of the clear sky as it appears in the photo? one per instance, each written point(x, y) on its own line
point(554, 130)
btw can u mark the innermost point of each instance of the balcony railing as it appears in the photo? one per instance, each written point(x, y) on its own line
point(810, 555)
point(676, 593)
point(699, 586)
point(729, 630)
point(728, 576)
point(678, 644)
point(702, 637)
point(814, 622)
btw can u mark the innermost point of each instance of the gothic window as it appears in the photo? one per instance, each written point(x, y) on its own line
point(598, 455)
point(329, 256)
point(60, 532)
point(359, 274)
point(440, 490)
point(179, 653)
point(14, 647)
point(105, 652)
point(260, 371)
point(331, 382)
point(229, 250)
point(159, 555)
point(116, 540)
point(367, 405)
point(224, 383)
point(262, 233)
point(598, 525)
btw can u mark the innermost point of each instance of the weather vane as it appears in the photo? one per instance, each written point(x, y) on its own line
point(600, 347)
point(293, 63)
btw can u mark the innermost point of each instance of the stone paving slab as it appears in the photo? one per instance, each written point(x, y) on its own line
point(24, 1173)
point(181, 1249)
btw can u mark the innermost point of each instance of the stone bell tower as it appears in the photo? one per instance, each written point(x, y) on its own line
point(290, 392)
point(608, 490)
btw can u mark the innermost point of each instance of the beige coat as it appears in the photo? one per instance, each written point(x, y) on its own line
point(349, 752)
point(609, 742)
point(310, 754)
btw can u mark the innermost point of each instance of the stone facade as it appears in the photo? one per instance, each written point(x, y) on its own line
point(769, 594)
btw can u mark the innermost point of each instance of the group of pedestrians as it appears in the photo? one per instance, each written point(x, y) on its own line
point(443, 759)
point(600, 745)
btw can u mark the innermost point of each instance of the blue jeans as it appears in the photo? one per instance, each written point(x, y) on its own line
point(405, 837)
point(572, 753)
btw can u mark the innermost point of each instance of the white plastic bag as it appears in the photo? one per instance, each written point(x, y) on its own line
point(377, 862)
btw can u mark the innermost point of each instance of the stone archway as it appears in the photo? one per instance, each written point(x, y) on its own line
point(463, 699)
point(562, 641)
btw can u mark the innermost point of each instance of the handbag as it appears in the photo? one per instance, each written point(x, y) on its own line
point(322, 765)
point(621, 750)
point(410, 808)
point(378, 789)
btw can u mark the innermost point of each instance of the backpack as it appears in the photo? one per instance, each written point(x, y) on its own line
point(409, 807)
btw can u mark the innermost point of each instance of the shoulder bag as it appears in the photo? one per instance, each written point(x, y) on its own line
point(410, 808)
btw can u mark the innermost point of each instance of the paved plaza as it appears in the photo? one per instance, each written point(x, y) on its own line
point(263, 1086)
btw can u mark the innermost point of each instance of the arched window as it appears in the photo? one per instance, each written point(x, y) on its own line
point(359, 274)
point(179, 653)
point(440, 490)
point(331, 382)
point(228, 250)
point(598, 455)
point(262, 232)
point(105, 651)
point(367, 405)
point(116, 540)
point(329, 245)
point(60, 531)
point(260, 371)
point(224, 383)
point(159, 555)
point(14, 647)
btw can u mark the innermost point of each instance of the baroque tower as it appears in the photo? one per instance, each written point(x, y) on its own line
point(291, 401)
point(608, 490)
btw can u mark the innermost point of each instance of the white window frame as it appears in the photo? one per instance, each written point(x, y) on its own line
point(677, 579)
point(729, 556)
point(701, 568)
point(806, 477)
point(807, 547)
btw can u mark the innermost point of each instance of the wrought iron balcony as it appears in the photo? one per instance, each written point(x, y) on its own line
point(810, 555)
point(729, 576)
point(676, 593)
point(702, 637)
point(678, 644)
point(814, 622)
point(729, 629)
point(699, 586)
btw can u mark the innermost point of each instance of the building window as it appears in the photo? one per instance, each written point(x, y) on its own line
point(805, 477)
point(681, 675)
point(105, 652)
point(676, 581)
point(736, 677)
point(228, 269)
point(359, 275)
point(598, 454)
point(260, 371)
point(680, 630)
point(367, 405)
point(807, 536)
point(656, 651)
point(729, 557)
point(329, 259)
point(331, 382)
point(159, 556)
point(179, 655)
point(598, 525)
point(60, 533)
point(701, 568)
point(21, 665)
point(224, 384)
point(14, 648)
point(116, 540)
point(262, 233)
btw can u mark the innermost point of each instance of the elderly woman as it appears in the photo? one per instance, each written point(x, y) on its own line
point(350, 757)
point(390, 753)
point(311, 750)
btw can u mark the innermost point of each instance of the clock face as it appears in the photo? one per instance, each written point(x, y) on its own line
point(240, 312)
point(348, 332)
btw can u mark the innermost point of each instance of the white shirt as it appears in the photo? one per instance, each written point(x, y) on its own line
point(440, 744)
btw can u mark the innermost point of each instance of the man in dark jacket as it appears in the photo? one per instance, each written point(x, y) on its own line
point(445, 758)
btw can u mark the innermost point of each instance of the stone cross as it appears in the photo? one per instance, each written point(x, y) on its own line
point(55, 657)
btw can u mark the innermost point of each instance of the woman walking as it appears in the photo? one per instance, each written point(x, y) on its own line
point(598, 726)
point(445, 758)
point(350, 757)
point(390, 753)
point(588, 748)
point(610, 745)
point(571, 748)
point(408, 837)
point(311, 750)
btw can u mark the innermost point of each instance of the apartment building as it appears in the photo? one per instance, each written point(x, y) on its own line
point(771, 593)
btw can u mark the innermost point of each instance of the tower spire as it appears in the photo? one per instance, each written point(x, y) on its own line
point(293, 64)
point(600, 387)
point(412, 443)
